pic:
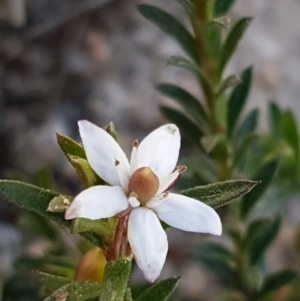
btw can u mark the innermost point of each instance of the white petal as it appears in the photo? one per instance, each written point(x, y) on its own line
point(160, 150)
point(123, 177)
point(98, 202)
point(148, 242)
point(189, 215)
point(102, 151)
point(166, 182)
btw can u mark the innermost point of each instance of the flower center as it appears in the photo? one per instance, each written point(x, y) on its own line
point(144, 183)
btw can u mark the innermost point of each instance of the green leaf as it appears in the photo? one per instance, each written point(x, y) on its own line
point(220, 194)
point(70, 147)
point(37, 199)
point(277, 280)
point(115, 280)
point(260, 235)
point(214, 251)
point(222, 7)
point(210, 142)
point(128, 296)
point(191, 104)
point(274, 117)
point(243, 147)
point(51, 282)
point(102, 227)
point(159, 291)
point(76, 291)
point(110, 129)
point(189, 129)
point(248, 126)
point(188, 7)
point(86, 174)
point(77, 157)
point(238, 99)
point(194, 68)
point(184, 63)
point(171, 27)
point(265, 175)
point(218, 260)
point(289, 132)
point(232, 41)
point(229, 82)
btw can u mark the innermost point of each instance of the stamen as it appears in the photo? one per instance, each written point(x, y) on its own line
point(165, 195)
point(133, 158)
point(125, 212)
point(167, 182)
point(181, 169)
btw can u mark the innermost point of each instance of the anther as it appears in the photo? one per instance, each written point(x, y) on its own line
point(135, 143)
point(181, 169)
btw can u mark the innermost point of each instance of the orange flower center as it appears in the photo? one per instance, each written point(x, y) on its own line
point(144, 183)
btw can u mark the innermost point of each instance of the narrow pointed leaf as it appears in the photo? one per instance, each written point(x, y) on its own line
point(194, 68)
point(110, 128)
point(277, 280)
point(128, 296)
point(85, 172)
point(159, 291)
point(70, 147)
point(218, 260)
point(259, 241)
point(238, 99)
point(232, 41)
point(188, 7)
point(37, 199)
point(115, 281)
point(191, 104)
point(229, 82)
point(213, 250)
point(289, 132)
point(188, 128)
point(184, 63)
point(222, 7)
point(210, 142)
point(171, 27)
point(274, 117)
point(51, 282)
point(76, 291)
point(248, 126)
point(265, 175)
point(220, 194)
point(243, 147)
point(101, 227)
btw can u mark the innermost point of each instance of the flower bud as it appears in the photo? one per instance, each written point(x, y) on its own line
point(144, 183)
point(91, 266)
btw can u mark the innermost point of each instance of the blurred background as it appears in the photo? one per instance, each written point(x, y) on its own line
point(66, 60)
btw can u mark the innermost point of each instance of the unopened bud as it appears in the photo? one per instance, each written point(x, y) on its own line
point(91, 266)
point(144, 183)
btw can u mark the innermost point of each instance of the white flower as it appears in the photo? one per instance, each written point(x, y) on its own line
point(141, 188)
